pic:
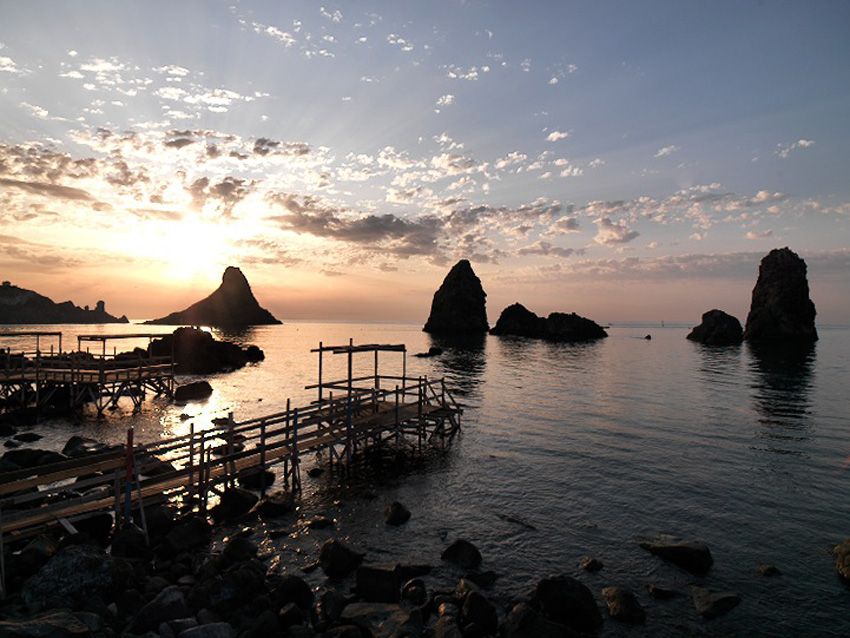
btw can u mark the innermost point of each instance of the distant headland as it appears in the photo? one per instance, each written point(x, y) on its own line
point(232, 304)
point(22, 306)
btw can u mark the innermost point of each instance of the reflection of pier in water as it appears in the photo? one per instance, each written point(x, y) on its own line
point(782, 380)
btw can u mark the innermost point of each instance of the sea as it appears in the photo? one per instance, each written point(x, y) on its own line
point(573, 450)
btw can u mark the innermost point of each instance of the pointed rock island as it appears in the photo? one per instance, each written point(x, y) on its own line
point(781, 309)
point(517, 320)
point(459, 305)
point(232, 304)
point(21, 306)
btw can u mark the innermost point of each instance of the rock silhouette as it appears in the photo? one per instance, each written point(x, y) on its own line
point(198, 352)
point(718, 329)
point(232, 304)
point(19, 306)
point(459, 304)
point(517, 320)
point(781, 309)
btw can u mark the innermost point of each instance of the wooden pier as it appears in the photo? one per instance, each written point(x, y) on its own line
point(39, 378)
point(348, 416)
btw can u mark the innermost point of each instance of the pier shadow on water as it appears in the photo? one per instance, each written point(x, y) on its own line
point(781, 385)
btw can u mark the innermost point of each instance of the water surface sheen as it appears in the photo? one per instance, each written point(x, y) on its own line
point(593, 445)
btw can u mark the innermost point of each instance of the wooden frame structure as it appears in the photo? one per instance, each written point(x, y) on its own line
point(414, 413)
point(34, 379)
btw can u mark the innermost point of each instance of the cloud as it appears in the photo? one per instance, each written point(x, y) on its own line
point(400, 42)
point(556, 136)
point(763, 234)
point(48, 190)
point(784, 150)
point(564, 225)
point(542, 247)
point(471, 73)
point(446, 100)
point(666, 151)
point(34, 110)
point(610, 233)
point(333, 16)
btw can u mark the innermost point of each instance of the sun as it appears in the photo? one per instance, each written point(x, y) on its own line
point(191, 248)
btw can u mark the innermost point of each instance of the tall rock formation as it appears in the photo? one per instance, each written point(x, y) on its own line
point(781, 310)
point(232, 304)
point(517, 320)
point(20, 306)
point(718, 329)
point(459, 305)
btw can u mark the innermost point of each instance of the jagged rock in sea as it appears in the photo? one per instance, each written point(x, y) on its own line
point(459, 305)
point(718, 329)
point(517, 320)
point(20, 306)
point(197, 352)
point(781, 309)
point(232, 304)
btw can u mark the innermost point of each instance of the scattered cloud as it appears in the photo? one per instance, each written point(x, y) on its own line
point(784, 150)
point(666, 151)
point(556, 136)
point(609, 232)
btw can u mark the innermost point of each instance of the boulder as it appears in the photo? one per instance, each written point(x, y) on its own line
point(289, 615)
point(80, 446)
point(233, 502)
point(711, 604)
point(29, 458)
point(169, 604)
point(238, 549)
point(661, 593)
point(841, 553)
point(768, 570)
point(462, 553)
point(291, 589)
point(27, 437)
point(256, 478)
point(693, 556)
point(459, 305)
point(781, 310)
point(564, 600)
point(446, 627)
point(57, 622)
point(72, 576)
point(589, 564)
point(232, 305)
point(396, 514)
point(379, 583)
point(524, 621)
point(331, 604)
point(198, 352)
point(479, 611)
point(130, 542)
point(382, 620)
point(274, 505)
point(194, 391)
point(414, 591)
point(188, 533)
point(517, 320)
point(623, 605)
point(433, 351)
point(337, 560)
point(32, 557)
point(717, 329)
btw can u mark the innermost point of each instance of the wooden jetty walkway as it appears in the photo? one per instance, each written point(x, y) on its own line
point(347, 416)
point(37, 378)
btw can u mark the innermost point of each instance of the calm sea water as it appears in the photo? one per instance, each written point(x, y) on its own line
point(593, 445)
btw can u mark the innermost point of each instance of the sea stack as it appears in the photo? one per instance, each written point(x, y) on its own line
point(517, 320)
point(718, 329)
point(458, 307)
point(232, 304)
point(781, 309)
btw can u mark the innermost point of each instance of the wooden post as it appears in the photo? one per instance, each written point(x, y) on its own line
point(420, 426)
point(397, 423)
point(443, 390)
point(404, 368)
point(348, 434)
point(287, 437)
point(191, 458)
point(231, 466)
point(296, 472)
point(263, 457)
point(2, 560)
point(321, 352)
point(377, 379)
point(201, 504)
point(128, 499)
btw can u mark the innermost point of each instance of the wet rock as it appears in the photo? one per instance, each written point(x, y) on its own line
point(73, 575)
point(130, 542)
point(396, 514)
point(289, 615)
point(414, 591)
point(710, 604)
point(159, 517)
point(27, 437)
point(459, 304)
point(7, 429)
point(194, 391)
point(97, 526)
point(446, 627)
point(256, 478)
point(479, 611)
point(566, 601)
point(320, 522)
point(841, 553)
point(517, 320)
point(29, 458)
point(32, 558)
point(337, 560)
point(190, 532)
point(524, 621)
point(331, 604)
point(233, 502)
point(238, 549)
point(169, 604)
point(10, 444)
point(211, 630)
point(153, 466)
point(781, 309)
point(462, 553)
point(291, 589)
point(433, 351)
point(57, 622)
point(482, 579)
point(198, 352)
point(623, 606)
point(383, 620)
point(768, 570)
point(589, 564)
point(315, 472)
point(239, 584)
point(379, 583)
point(232, 304)
point(274, 505)
point(693, 556)
point(80, 446)
point(265, 624)
point(717, 329)
point(661, 593)
point(465, 586)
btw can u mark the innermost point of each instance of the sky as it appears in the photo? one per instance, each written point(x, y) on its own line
point(622, 160)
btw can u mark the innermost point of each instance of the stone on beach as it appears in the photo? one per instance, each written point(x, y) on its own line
point(379, 583)
point(717, 329)
point(337, 560)
point(233, 502)
point(693, 556)
point(567, 601)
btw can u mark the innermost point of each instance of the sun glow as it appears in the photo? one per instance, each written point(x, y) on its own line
point(191, 248)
